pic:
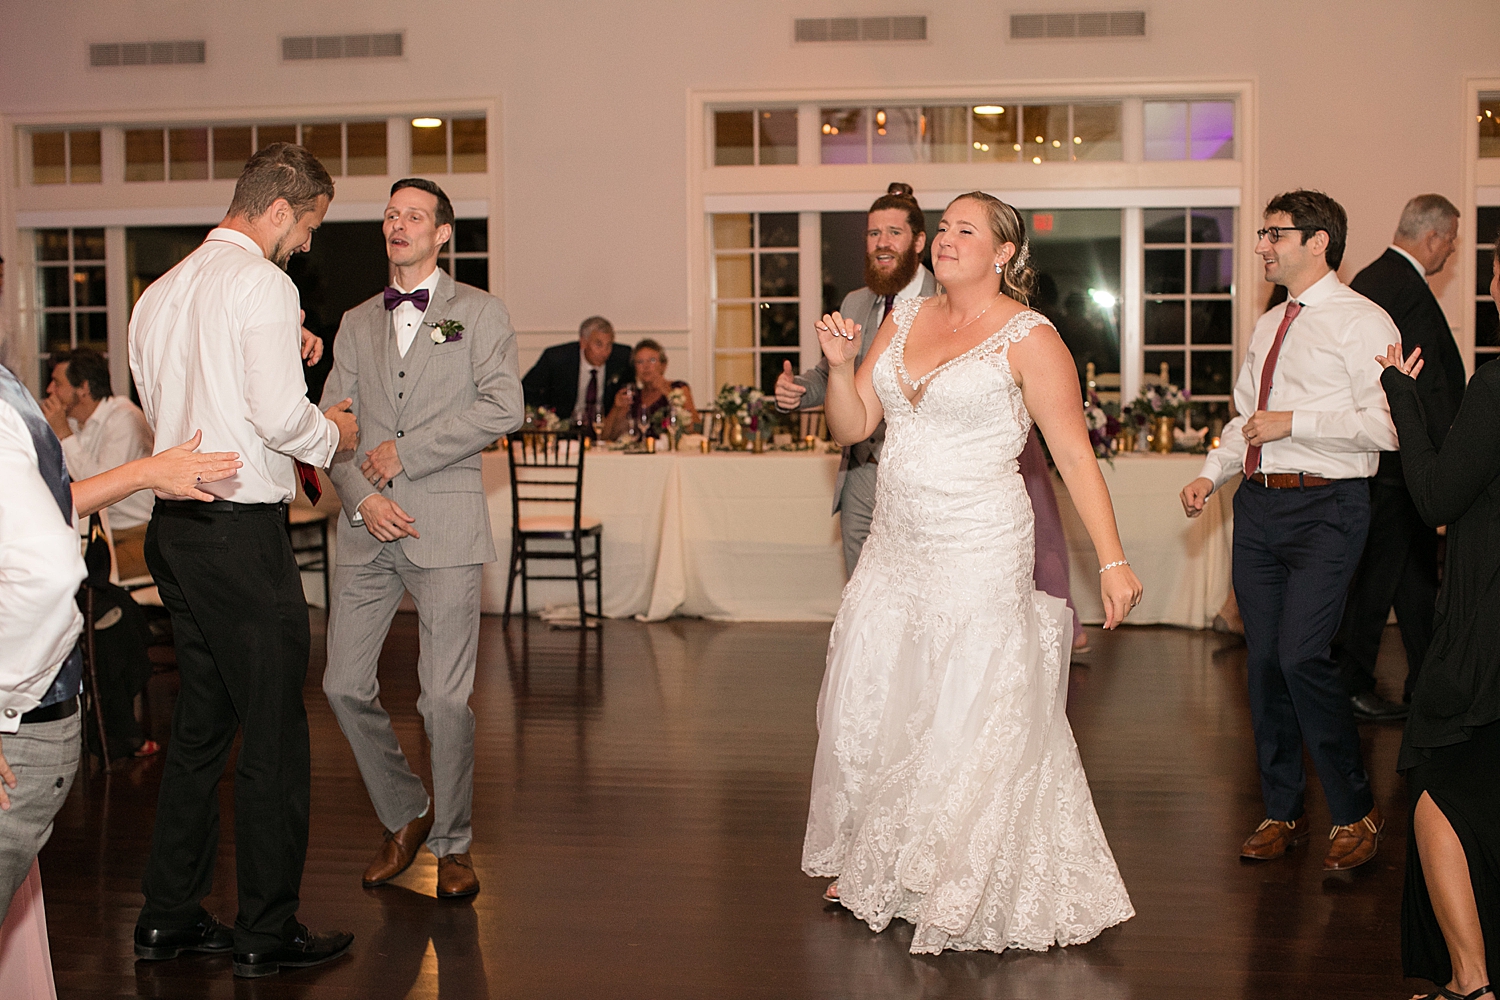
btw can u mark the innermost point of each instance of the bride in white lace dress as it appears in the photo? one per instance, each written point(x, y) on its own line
point(947, 789)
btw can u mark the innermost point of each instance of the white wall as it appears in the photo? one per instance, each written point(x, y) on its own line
point(1362, 99)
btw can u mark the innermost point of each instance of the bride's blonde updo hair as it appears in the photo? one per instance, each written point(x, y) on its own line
point(1017, 279)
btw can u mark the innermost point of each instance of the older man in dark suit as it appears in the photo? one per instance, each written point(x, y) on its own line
point(579, 381)
point(1399, 565)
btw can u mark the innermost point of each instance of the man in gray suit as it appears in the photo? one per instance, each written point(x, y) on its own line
point(894, 239)
point(431, 368)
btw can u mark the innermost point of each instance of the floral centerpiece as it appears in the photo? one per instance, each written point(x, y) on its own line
point(1102, 420)
point(1156, 409)
point(741, 407)
point(543, 418)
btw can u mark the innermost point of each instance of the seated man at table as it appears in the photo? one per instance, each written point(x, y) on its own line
point(579, 380)
point(649, 397)
point(99, 431)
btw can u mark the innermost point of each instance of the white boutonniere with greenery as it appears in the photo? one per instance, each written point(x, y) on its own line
point(447, 331)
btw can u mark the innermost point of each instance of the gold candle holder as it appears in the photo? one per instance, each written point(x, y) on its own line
point(810, 442)
point(651, 445)
point(703, 446)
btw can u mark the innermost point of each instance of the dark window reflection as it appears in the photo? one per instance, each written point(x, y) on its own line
point(778, 325)
point(1213, 323)
point(1164, 272)
point(1164, 322)
point(778, 275)
point(1212, 374)
point(779, 229)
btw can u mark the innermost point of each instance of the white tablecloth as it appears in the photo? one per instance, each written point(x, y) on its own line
point(1183, 564)
point(738, 537)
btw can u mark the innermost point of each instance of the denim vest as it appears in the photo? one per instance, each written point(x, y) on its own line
point(49, 457)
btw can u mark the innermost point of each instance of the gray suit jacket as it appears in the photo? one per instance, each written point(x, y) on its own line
point(442, 404)
point(865, 308)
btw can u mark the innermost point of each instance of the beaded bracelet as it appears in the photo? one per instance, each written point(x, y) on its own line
point(1117, 562)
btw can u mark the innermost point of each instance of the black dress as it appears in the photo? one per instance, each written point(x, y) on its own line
point(1451, 747)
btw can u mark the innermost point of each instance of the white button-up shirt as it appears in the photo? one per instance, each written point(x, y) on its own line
point(406, 317)
point(215, 344)
point(1327, 375)
point(115, 433)
point(40, 571)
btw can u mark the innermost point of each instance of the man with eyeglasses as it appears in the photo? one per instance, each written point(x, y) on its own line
point(1313, 421)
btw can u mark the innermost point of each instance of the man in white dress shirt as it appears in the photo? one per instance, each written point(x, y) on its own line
point(99, 431)
point(214, 345)
point(41, 670)
point(1313, 421)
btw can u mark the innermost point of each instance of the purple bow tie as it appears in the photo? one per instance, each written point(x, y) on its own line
point(394, 298)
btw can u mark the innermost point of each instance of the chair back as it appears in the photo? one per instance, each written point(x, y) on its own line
point(709, 423)
point(812, 424)
point(546, 467)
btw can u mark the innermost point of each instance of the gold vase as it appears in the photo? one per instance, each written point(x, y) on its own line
point(1125, 440)
point(1162, 437)
point(736, 435)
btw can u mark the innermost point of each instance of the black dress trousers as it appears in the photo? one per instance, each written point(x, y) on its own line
point(1399, 569)
point(1295, 551)
point(227, 575)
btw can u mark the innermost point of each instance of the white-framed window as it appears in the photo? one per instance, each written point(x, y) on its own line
point(467, 256)
point(984, 132)
point(1488, 121)
point(1189, 130)
point(746, 137)
point(756, 296)
point(1486, 321)
point(66, 157)
point(449, 145)
point(1188, 270)
point(198, 153)
point(70, 292)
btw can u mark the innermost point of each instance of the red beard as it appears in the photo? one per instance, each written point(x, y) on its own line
point(883, 283)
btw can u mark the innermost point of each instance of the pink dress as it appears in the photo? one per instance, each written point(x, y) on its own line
point(25, 960)
point(1051, 568)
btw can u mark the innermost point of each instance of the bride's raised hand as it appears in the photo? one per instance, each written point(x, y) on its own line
point(838, 336)
point(1120, 590)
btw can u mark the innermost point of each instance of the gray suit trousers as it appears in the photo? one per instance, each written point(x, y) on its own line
point(365, 598)
point(44, 757)
point(856, 507)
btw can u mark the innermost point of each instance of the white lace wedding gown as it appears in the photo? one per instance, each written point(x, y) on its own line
point(947, 789)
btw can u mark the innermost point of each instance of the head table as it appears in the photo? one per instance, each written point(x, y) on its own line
point(747, 537)
point(733, 536)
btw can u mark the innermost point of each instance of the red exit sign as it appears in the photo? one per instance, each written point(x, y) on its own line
point(1041, 222)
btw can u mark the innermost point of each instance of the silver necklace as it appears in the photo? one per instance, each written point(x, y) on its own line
point(901, 357)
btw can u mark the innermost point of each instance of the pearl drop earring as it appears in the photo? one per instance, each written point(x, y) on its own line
point(998, 267)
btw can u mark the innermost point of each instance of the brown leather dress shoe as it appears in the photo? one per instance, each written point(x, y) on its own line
point(1355, 843)
point(456, 877)
point(399, 850)
point(1273, 838)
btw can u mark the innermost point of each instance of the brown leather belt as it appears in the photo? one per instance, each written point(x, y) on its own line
point(1290, 480)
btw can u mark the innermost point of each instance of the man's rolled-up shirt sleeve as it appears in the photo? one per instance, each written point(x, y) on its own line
point(275, 389)
point(40, 571)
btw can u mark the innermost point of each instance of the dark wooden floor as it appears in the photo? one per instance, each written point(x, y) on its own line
point(638, 826)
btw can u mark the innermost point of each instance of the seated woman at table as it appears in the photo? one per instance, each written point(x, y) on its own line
point(1450, 752)
point(646, 397)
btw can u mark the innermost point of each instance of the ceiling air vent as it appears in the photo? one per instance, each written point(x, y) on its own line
point(341, 46)
point(1081, 24)
point(862, 29)
point(146, 53)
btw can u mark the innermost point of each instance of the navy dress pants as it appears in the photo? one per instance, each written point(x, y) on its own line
point(1295, 551)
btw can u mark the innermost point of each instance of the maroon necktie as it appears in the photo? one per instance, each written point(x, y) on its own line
point(890, 303)
point(591, 398)
point(1252, 453)
point(308, 477)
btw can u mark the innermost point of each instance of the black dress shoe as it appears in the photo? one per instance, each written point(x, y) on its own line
point(1370, 707)
point(302, 949)
point(156, 944)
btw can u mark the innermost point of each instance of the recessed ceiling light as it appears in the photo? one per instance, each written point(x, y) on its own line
point(427, 123)
point(989, 109)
